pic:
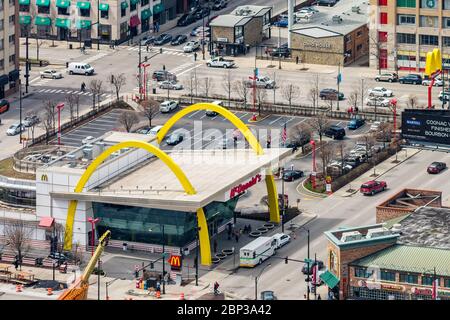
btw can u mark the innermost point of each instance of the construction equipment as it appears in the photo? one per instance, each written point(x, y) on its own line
point(79, 290)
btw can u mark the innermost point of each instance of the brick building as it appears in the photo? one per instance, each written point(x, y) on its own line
point(9, 47)
point(403, 31)
point(340, 38)
point(246, 26)
point(397, 259)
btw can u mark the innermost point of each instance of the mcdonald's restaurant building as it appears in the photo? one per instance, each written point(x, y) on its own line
point(142, 198)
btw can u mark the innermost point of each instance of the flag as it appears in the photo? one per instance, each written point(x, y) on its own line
point(314, 280)
point(435, 287)
point(284, 135)
point(339, 78)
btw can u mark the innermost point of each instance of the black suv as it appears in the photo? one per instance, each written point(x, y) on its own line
point(163, 75)
point(179, 40)
point(203, 12)
point(186, 20)
point(282, 51)
point(219, 4)
point(335, 132)
point(330, 94)
point(411, 78)
point(329, 3)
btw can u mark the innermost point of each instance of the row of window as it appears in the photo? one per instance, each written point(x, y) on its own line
point(425, 21)
point(424, 39)
point(424, 4)
point(386, 275)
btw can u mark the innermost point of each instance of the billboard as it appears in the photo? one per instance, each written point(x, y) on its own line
point(428, 126)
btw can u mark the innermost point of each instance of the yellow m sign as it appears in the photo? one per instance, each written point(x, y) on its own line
point(433, 63)
point(44, 177)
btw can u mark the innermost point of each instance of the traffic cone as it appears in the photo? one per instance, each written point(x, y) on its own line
point(18, 288)
point(182, 296)
point(49, 291)
point(158, 294)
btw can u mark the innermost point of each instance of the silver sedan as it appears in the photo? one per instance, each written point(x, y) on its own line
point(171, 85)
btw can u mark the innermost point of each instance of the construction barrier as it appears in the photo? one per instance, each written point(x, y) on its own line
point(158, 294)
point(18, 288)
point(182, 296)
point(49, 291)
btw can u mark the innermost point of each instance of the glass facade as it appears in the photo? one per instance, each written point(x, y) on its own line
point(18, 197)
point(128, 223)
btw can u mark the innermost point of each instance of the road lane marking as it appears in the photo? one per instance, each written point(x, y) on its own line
point(190, 69)
point(276, 120)
point(190, 116)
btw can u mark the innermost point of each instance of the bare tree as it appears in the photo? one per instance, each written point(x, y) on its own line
point(261, 96)
point(300, 134)
point(48, 118)
point(242, 90)
point(71, 104)
point(128, 119)
point(227, 85)
point(319, 124)
point(275, 87)
point(96, 87)
point(385, 132)
point(362, 92)
point(17, 236)
point(341, 153)
point(207, 84)
point(375, 49)
point(326, 154)
point(190, 85)
point(290, 92)
point(412, 102)
point(150, 108)
point(118, 81)
point(369, 142)
point(33, 125)
point(314, 91)
point(353, 98)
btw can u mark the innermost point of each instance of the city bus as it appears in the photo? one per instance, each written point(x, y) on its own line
point(257, 251)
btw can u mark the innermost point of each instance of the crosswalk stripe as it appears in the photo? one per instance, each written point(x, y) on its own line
point(59, 91)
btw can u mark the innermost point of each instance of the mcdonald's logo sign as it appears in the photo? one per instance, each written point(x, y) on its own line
point(433, 64)
point(44, 177)
point(175, 262)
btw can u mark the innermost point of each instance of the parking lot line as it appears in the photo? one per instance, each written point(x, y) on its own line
point(190, 116)
point(276, 120)
point(243, 115)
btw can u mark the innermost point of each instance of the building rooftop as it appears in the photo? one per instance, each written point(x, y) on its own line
point(427, 227)
point(409, 259)
point(250, 10)
point(327, 20)
point(229, 20)
point(212, 173)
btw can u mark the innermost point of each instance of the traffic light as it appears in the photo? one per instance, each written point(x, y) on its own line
point(152, 265)
point(286, 260)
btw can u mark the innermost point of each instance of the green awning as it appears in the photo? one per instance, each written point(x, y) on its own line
point(24, 2)
point(42, 3)
point(24, 19)
point(329, 278)
point(157, 8)
point(64, 4)
point(83, 5)
point(42, 21)
point(134, 1)
point(145, 14)
point(83, 24)
point(103, 7)
point(124, 5)
point(62, 23)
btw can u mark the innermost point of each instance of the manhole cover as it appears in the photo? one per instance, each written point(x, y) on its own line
point(255, 234)
point(268, 226)
point(262, 229)
point(227, 251)
point(220, 255)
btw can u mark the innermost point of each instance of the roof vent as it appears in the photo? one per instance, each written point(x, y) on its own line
point(377, 232)
point(356, 9)
point(396, 228)
point(351, 236)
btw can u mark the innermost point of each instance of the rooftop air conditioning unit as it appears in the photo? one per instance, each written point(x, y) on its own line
point(337, 19)
point(351, 236)
point(70, 157)
point(88, 152)
point(356, 9)
point(377, 232)
point(72, 164)
point(396, 228)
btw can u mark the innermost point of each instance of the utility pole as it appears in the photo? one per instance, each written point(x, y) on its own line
point(203, 37)
point(98, 25)
point(99, 268)
point(139, 67)
point(197, 251)
point(27, 63)
point(282, 200)
point(279, 47)
point(20, 109)
point(315, 275)
point(338, 82)
point(164, 260)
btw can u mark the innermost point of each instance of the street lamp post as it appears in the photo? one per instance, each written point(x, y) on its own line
point(256, 281)
point(203, 37)
point(98, 25)
point(20, 110)
point(93, 222)
point(59, 107)
point(279, 47)
point(313, 175)
point(307, 262)
point(163, 256)
point(282, 200)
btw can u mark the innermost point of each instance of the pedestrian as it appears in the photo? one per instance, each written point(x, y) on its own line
point(164, 67)
point(304, 296)
point(148, 47)
point(215, 246)
point(158, 286)
point(195, 56)
point(356, 109)
point(237, 237)
point(296, 60)
point(318, 297)
point(216, 288)
point(83, 86)
point(249, 228)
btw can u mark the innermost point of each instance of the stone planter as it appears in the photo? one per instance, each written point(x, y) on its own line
point(228, 251)
point(268, 226)
point(255, 234)
point(215, 260)
point(262, 229)
point(220, 255)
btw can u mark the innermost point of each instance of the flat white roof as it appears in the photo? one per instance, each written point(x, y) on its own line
point(316, 32)
point(256, 243)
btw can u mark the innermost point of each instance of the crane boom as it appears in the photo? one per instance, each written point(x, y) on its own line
point(79, 290)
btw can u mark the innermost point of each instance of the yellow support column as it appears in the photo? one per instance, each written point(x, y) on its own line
point(203, 236)
point(272, 197)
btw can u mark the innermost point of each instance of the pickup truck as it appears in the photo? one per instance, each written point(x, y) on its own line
point(261, 82)
point(220, 62)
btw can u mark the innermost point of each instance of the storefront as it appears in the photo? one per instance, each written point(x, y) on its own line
point(62, 27)
point(134, 23)
point(382, 291)
point(145, 20)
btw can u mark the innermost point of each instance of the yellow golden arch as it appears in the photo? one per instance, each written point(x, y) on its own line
point(205, 248)
point(433, 63)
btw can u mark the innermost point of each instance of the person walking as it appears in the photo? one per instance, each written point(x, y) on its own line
point(215, 246)
point(216, 288)
point(319, 297)
point(83, 86)
point(237, 236)
point(195, 56)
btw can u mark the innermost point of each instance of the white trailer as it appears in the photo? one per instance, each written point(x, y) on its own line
point(257, 251)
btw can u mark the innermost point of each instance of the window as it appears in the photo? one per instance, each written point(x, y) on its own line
point(348, 38)
point(406, 38)
point(123, 12)
point(238, 32)
point(426, 39)
point(11, 19)
point(104, 14)
point(133, 6)
point(362, 273)
point(359, 47)
point(1, 44)
point(24, 8)
point(429, 4)
point(42, 9)
point(63, 11)
point(382, 36)
point(359, 34)
point(12, 39)
point(447, 282)
point(429, 21)
point(123, 27)
point(406, 58)
point(85, 12)
point(382, 2)
point(1, 24)
point(446, 41)
point(409, 278)
point(387, 275)
point(406, 19)
point(383, 18)
point(427, 280)
point(12, 58)
point(446, 4)
point(2, 64)
point(406, 3)
point(445, 22)
point(144, 2)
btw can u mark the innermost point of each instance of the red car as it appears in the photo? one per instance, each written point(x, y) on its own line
point(436, 167)
point(372, 187)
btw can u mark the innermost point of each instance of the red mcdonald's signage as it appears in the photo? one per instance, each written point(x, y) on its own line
point(175, 261)
point(237, 190)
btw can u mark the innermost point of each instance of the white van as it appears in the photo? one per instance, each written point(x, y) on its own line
point(257, 251)
point(154, 131)
point(80, 68)
point(281, 239)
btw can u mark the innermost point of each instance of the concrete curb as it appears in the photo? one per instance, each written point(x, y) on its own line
point(251, 121)
point(311, 193)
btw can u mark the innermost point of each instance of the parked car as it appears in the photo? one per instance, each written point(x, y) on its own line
point(185, 20)
point(143, 130)
point(261, 82)
point(312, 264)
point(154, 131)
point(303, 14)
point(171, 85)
point(4, 105)
point(436, 167)
point(174, 139)
point(375, 126)
point(353, 160)
point(30, 121)
point(191, 46)
point(335, 132)
point(328, 3)
point(57, 256)
point(372, 187)
point(291, 175)
point(356, 123)
point(14, 129)
point(203, 12)
point(312, 9)
point(388, 76)
point(380, 92)
point(268, 295)
point(181, 38)
point(378, 101)
point(148, 40)
point(281, 239)
point(51, 73)
point(282, 23)
point(330, 94)
point(411, 79)
point(163, 75)
point(282, 51)
point(218, 5)
point(87, 140)
point(163, 39)
point(168, 106)
point(438, 82)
